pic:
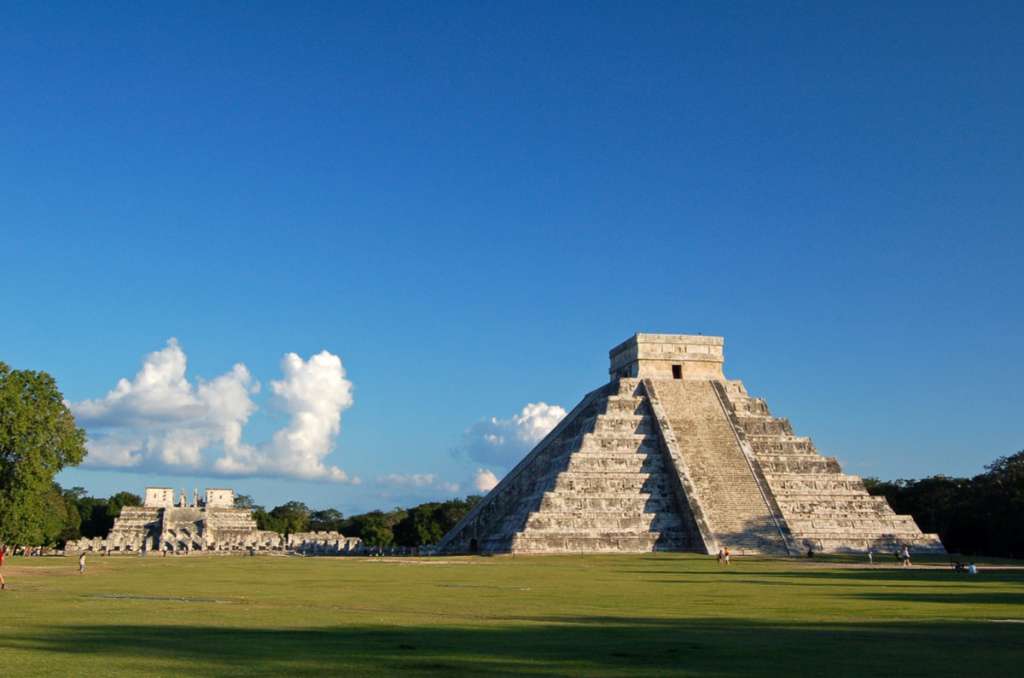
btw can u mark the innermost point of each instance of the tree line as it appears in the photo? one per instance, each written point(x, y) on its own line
point(416, 526)
point(983, 515)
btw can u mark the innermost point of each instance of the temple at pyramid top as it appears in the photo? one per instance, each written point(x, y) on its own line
point(670, 455)
point(668, 356)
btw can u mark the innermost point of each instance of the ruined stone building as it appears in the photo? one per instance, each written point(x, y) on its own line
point(324, 544)
point(211, 523)
point(670, 455)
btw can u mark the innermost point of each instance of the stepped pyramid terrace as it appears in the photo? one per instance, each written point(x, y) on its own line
point(670, 455)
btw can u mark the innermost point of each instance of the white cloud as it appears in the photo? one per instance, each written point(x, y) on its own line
point(420, 481)
point(408, 480)
point(314, 393)
point(484, 480)
point(503, 442)
point(160, 419)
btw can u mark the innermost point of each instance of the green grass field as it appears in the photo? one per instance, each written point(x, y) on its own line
point(657, 614)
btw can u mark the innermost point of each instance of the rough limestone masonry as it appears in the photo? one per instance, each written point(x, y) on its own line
point(672, 456)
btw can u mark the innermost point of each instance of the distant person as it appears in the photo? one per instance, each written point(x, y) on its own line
point(81, 563)
point(721, 556)
point(972, 569)
point(905, 556)
point(810, 551)
point(727, 556)
point(3, 583)
point(871, 556)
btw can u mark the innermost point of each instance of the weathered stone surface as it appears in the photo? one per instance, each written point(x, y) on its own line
point(324, 543)
point(212, 524)
point(672, 456)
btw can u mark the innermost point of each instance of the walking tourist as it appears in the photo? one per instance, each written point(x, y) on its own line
point(81, 563)
point(871, 556)
point(721, 556)
point(727, 555)
point(3, 583)
point(905, 556)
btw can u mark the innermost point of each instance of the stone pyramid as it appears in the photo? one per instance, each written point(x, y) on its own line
point(672, 456)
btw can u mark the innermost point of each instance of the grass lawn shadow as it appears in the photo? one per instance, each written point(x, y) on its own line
point(575, 645)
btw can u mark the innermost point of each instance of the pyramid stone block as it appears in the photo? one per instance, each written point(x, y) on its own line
point(670, 455)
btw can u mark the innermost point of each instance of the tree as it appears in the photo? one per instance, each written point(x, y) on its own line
point(420, 526)
point(55, 518)
point(263, 519)
point(73, 525)
point(427, 523)
point(95, 520)
point(38, 438)
point(326, 520)
point(290, 518)
point(374, 528)
point(981, 515)
point(245, 501)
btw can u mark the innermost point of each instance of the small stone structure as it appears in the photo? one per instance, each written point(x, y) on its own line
point(213, 524)
point(324, 543)
point(670, 455)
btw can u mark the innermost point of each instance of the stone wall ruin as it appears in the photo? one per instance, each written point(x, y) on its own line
point(170, 524)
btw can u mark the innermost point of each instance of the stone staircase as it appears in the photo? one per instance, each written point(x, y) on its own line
point(613, 494)
point(823, 507)
point(135, 527)
point(229, 525)
point(738, 512)
point(597, 483)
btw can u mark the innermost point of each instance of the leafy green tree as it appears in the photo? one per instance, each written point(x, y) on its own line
point(427, 523)
point(263, 519)
point(420, 526)
point(289, 518)
point(999, 496)
point(245, 501)
point(55, 519)
point(96, 522)
point(982, 515)
point(122, 499)
point(325, 520)
point(38, 438)
point(375, 528)
point(73, 525)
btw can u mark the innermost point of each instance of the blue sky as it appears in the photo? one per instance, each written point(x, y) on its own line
point(468, 204)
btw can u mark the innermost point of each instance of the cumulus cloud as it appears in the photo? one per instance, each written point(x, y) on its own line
point(160, 419)
point(421, 481)
point(503, 442)
point(160, 416)
point(484, 480)
point(314, 393)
